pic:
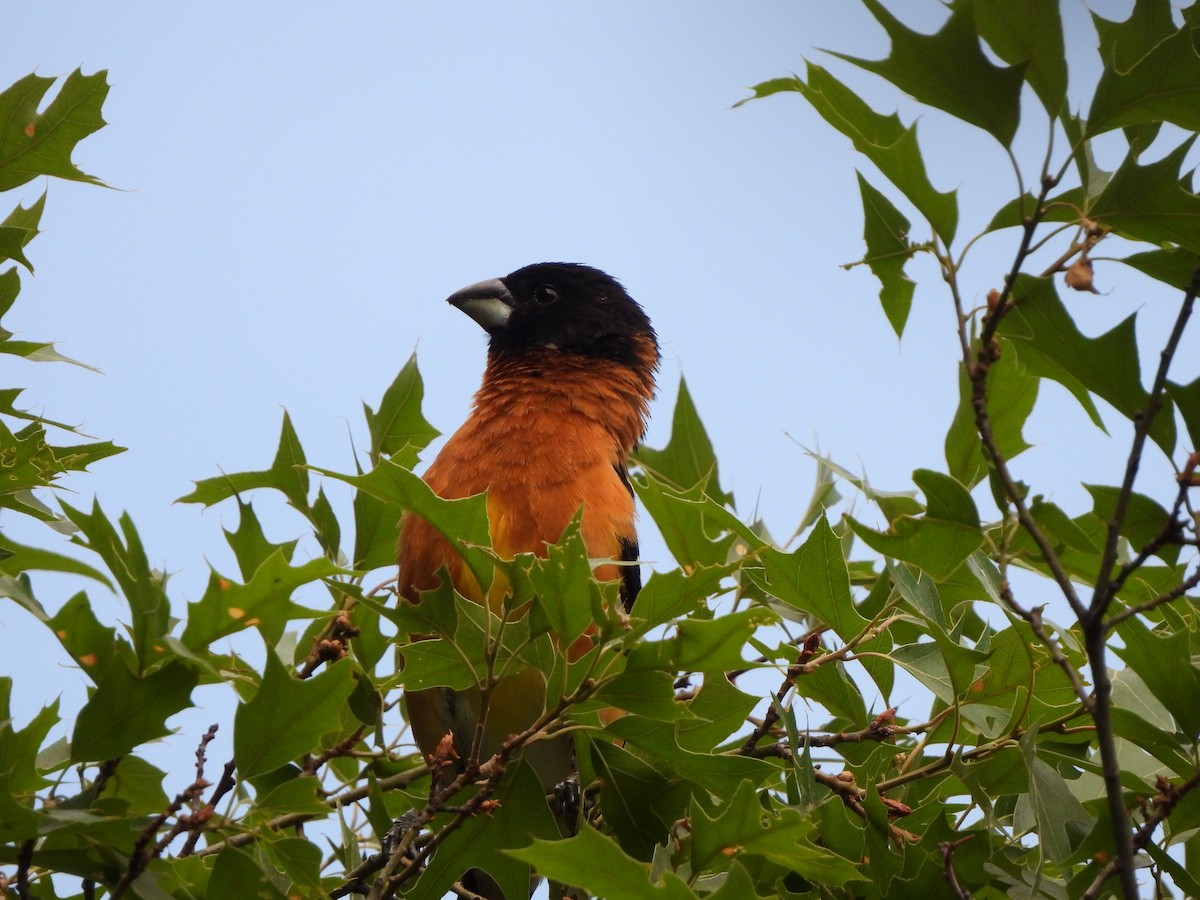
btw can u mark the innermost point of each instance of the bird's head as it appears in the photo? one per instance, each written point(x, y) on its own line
point(566, 307)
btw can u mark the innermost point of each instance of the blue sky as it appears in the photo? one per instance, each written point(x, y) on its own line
point(298, 190)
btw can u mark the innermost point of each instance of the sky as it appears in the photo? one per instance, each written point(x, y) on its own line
point(296, 190)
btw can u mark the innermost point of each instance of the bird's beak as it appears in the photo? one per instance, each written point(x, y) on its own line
point(489, 303)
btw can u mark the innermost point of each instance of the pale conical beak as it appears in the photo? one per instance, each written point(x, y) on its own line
point(489, 303)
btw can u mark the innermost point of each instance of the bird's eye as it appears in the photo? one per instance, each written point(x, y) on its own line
point(544, 295)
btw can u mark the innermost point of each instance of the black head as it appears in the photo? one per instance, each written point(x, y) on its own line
point(561, 306)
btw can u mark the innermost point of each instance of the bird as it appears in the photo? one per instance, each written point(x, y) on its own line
point(564, 400)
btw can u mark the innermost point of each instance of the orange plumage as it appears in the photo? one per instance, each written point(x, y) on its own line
point(564, 399)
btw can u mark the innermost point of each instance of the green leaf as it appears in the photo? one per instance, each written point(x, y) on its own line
point(743, 827)
point(919, 591)
point(19, 229)
point(288, 475)
point(1062, 822)
point(143, 588)
point(28, 460)
point(263, 602)
point(719, 709)
point(944, 667)
point(1011, 394)
point(489, 842)
point(893, 504)
point(812, 579)
point(690, 522)
point(649, 694)
point(1164, 663)
point(715, 773)
point(597, 865)
point(126, 710)
point(639, 801)
point(1050, 346)
point(674, 594)
point(1028, 33)
point(1187, 400)
point(1151, 72)
point(688, 459)
point(885, 231)
point(949, 71)
point(1145, 518)
point(376, 531)
point(399, 423)
point(1151, 202)
point(325, 525)
point(564, 589)
point(33, 144)
point(238, 874)
point(92, 645)
point(1064, 207)
point(464, 522)
point(19, 748)
point(1174, 267)
point(702, 646)
point(882, 139)
point(287, 717)
point(300, 860)
point(21, 558)
point(249, 545)
point(937, 542)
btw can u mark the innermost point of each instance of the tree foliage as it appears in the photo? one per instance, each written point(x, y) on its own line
point(1032, 757)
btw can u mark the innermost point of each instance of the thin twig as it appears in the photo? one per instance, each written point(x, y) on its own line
point(947, 848)
point(1162, 805)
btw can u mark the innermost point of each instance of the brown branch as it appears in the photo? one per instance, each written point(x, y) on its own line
point(852, 796)
point(811, 645)
point(343, 747)
point(1174, 594)
point(1095, 632)
point(1105, 588)
point(1161, 806)
point(947, 848)
point(331, 644)
point(24, 862)
point(492, 770)
point(288, 820)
